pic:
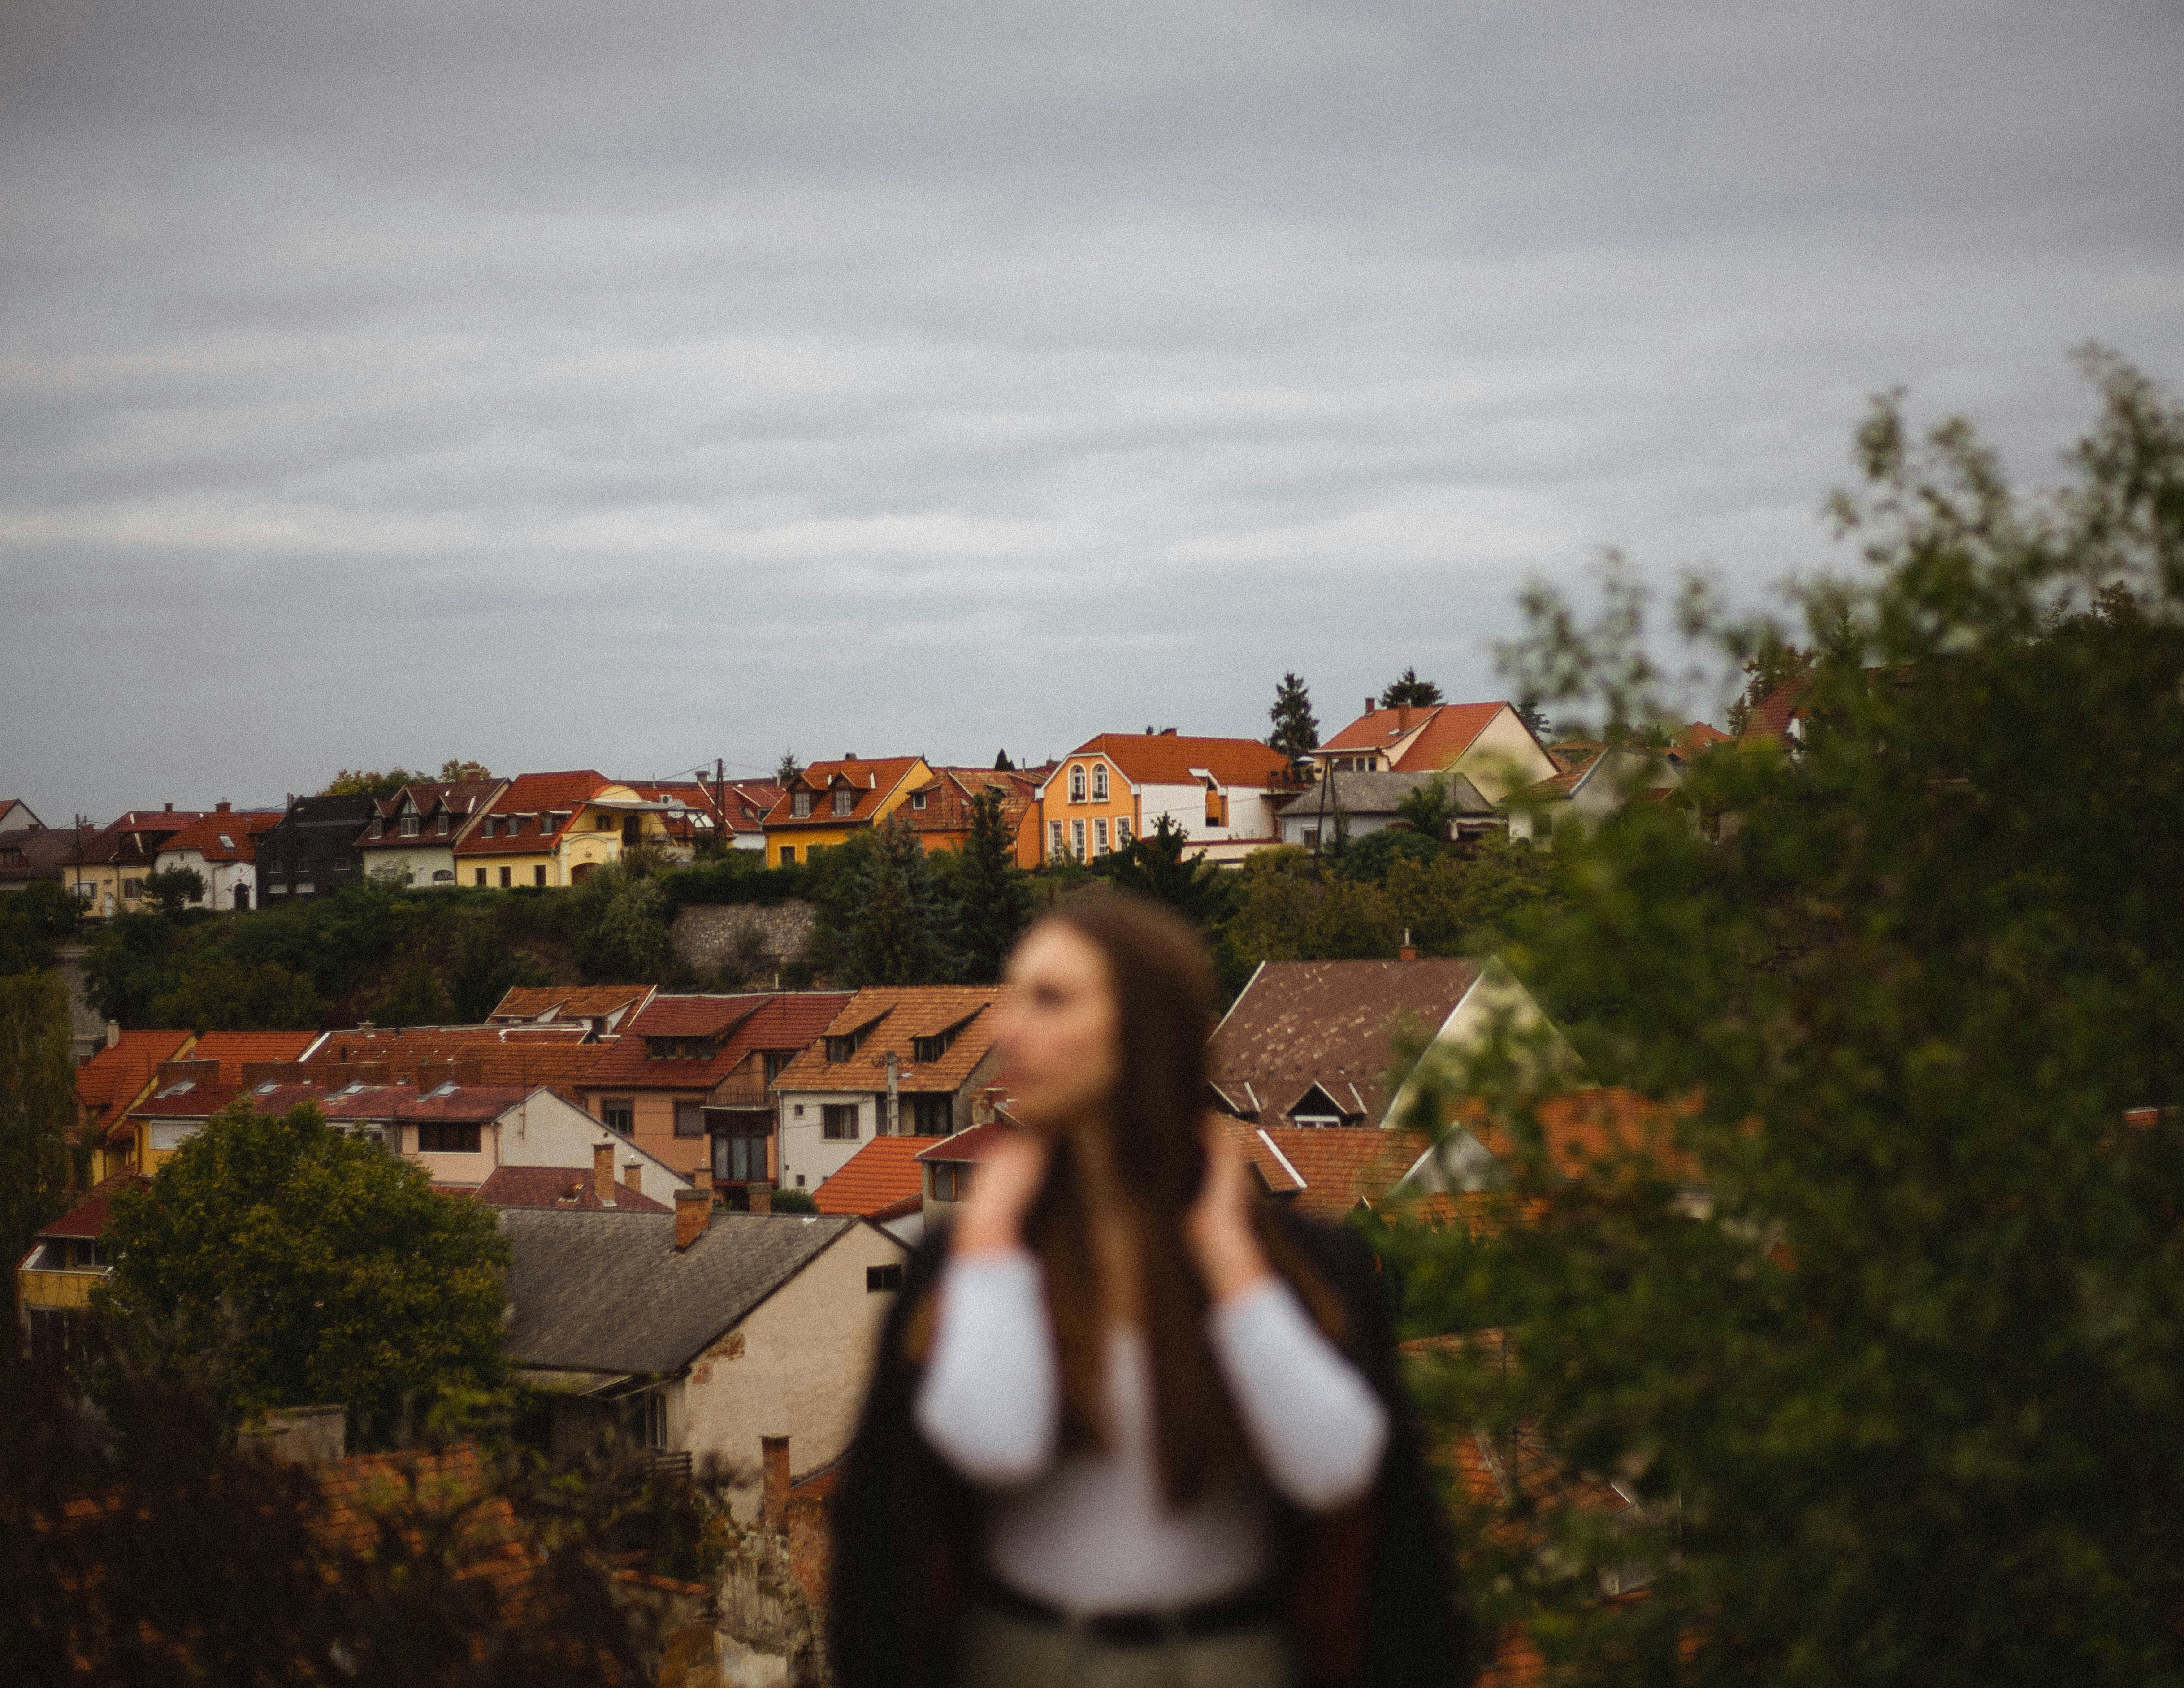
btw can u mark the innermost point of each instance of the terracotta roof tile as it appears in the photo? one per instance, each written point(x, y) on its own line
point(569, 1188)
point(1770, 717)
point(1167, 759)
point(568, 1002)
point(777, 1021)
point(882, 1174)
point(1341, 1168)
point(1444, 732)
point(232, 837)
point(974, 1145)
point(113, 1078)
point(871, 781)
point(232, 1049)
point(88, 1217)
point(899, 1015)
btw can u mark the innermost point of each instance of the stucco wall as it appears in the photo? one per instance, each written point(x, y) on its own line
point(797, 1367)
point(545, 1131)
point(807, 1156)
point(1504, 757)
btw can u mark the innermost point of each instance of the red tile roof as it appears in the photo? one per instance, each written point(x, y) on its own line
point(974, 1145)
point(1167, 759)
point(871, 781)
point(777, 1020)
point(1340, 1168)
point(112, 1077)
point(570, 1187)
point(88, 1217)
point(1444, 732)
point(1583, 1129)
point(232, 837)
point(535, 796)
point(568, 1002)
point(1770, 717)
point(232, 1049)
point(883, 1175)
point(1696, 736)
point(949, 792)
point(899, 1015)
point(476, 1055)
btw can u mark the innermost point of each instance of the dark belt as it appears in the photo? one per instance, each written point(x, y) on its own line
point(1223, 1615)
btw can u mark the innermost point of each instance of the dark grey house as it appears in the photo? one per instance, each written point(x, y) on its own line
point(698, 1334)
point(313, 850)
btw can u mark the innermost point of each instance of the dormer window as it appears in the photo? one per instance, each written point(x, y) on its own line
point(800, 806)
point(845, 799)
point(1099, 781)
point(440, 824)
point(378, 827)
point(926, 1050)
point(409, 827)
point(1076, 784)
point(917, 799)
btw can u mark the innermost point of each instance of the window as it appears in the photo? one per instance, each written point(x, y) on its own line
point(1099, 781)
point(1311, 838)
point(788, 855)
point(1100, 836)
point(1077, 839)
point(539, 874)
point(777, 1062)
point(916, 801)
point(132, 887)
point(932, 1115)
point(740, 1159)
point(951, 1181)
point(1076, 784)
point(378, 827)
point(924, 1050)
point(480, 876)
point(800, 806)
point(618, 1113)
point(652, 1419)
point(845, 799)
point(839, 1121)
point(506, 878)
point(440, 824)
point(1217, 808)
point(1122, 831)
point(602, 823)
point(689, 1119)
point(447, 1137)
point(879, 1277)
point(1055, 844)
point(410, 826)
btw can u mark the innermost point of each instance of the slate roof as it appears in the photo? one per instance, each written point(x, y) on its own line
point(568, 1189)
point(1299, 1023)
point(903, 1013)
point(771, 1019)
point(881, 1177)
point(1382, 792)
point(464, 799)
point(608, 1292)
point(568, 1002)
point(1167, 759)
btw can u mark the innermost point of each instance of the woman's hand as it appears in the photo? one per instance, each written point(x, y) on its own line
point(1219, 1223)
point(1002, 1190)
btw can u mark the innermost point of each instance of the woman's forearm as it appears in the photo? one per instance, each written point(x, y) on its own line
point(991, 1401)
point(1318, 1429)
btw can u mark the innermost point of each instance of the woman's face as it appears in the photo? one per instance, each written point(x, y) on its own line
point(1058, 1031)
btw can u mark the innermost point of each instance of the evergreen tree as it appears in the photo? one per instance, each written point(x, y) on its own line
point(992, 895)
point(1296, 729)
point(897, 936)
point(1408, 688)
point(37, 1106)
point(1002, 764)
point(1426, 808)
point(1154, 867)
point(787, 769)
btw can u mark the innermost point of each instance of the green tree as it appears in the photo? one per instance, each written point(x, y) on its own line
point(172, 890)
point(1455, 905)
point(1287, 907)
point(37, 1106)
point(1767, 671)
point(1426, 809)
point(216, 992)
point(1897, 1397)
point(1407, 688)
point(897, 938)
point(621, 922)
point(991, 895)
point(416, 996)
point(1296, 729)
point(32, 922)
point(319, 1267)
point(1155, 867)
point(787, 769)
point(368, 781)
point(454, 768)
point(1001, 762)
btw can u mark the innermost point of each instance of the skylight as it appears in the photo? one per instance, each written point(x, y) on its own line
point(181, 1087)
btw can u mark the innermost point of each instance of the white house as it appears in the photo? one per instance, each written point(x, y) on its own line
point(1109, 791)
point(1596, 785)
point(221, 847)
point(411, 836)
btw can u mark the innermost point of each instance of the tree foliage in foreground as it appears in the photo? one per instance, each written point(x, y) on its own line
point(315, 1267)
point(1900, 1397)
point(37, 1106)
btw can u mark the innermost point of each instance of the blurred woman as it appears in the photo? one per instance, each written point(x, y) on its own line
point(1130, 1423)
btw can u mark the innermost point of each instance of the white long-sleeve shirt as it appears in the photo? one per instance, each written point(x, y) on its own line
point(1092, 1531)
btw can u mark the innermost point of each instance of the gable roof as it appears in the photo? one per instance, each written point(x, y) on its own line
point(1697, 736)
point(881, 1177)
point(224, 835)
point(114, 1077)
point(1301, 1023)
point(1770, 717)
point(1443, 732)
point(609, 1292)
point(872, 782)
point(536, 795)
point(538, 1002)
point(464, 799)
point(771, 1020)
point(480, 1054)
point(903, 1013)
point(1336, 1169)
point(1382, 793)
point(567, 1189)
point(88, 1217)
point(1169, 759)
point(951, 792)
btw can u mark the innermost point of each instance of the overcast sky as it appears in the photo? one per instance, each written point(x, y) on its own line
point(571, 384)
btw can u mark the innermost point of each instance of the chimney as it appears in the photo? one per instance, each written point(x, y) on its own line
point(603, 1182)
point(761, 1198)
point(694, 1211)
point(703, 1179)
point(170, 808)
point(113, 1034)
point(222, 807)
point(984, 1105)
point(1368, 706)
point(632, 1176)
point(1402, 718)
point(773, 1457)
point(1409, 951)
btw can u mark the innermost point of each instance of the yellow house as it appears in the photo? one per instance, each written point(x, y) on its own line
point(105, 869)
point(555, 829)
point(829, 803)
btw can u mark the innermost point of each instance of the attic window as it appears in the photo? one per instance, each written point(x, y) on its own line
point(1099, 781)
point(440, 824)
point(679, 1049)
point(378, 827)
point(845, 799)
point(446, 1089)
point(917, 799)
point(409, 826)
point(602, 823)
point(800, 806)
point(226, 842)
point(925, 1050)
point(265, 1090)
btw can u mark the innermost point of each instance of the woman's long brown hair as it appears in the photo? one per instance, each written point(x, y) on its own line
point(1162, 981)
